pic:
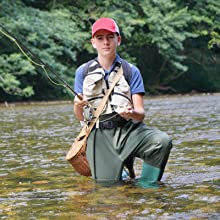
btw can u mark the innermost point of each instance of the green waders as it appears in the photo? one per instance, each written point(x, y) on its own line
point(108, 149)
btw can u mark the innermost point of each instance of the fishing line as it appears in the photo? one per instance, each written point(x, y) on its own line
point(30, 60)
point(43, 65)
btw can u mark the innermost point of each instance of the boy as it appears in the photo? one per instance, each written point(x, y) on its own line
point(120, 134)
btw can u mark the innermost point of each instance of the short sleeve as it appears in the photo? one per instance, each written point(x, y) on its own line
point(78, 83)
point(136, 83)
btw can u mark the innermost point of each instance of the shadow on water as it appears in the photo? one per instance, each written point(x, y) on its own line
point(37, 182)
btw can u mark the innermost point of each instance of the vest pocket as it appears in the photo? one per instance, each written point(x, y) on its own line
point(121, 94)
point(93, 88)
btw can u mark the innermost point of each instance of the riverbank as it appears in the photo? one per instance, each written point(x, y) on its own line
point(14, 104)
point(58, 102)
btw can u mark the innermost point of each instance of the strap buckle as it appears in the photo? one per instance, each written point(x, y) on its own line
point(107, 125)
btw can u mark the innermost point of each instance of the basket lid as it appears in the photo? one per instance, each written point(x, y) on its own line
point(76, 147)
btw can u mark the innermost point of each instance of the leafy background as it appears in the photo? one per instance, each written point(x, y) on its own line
point(175, 44)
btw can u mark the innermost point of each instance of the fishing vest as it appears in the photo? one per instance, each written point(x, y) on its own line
point(96, 83)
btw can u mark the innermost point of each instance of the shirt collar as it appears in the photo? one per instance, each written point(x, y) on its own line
point(117, 59)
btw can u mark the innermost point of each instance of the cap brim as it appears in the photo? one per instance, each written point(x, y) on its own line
point(106, 29)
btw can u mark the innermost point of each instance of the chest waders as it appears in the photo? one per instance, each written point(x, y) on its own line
point(115, 141)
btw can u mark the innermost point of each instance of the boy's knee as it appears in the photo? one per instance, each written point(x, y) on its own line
point(164, 141)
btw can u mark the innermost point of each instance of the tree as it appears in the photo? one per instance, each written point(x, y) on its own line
point(56, 43)
point(203, 52)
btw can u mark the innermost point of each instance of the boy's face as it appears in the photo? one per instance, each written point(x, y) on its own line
point(106, 42)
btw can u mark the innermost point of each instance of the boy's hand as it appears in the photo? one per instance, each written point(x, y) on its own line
point(126, 112)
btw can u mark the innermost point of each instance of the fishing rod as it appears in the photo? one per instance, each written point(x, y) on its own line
point(42, 64)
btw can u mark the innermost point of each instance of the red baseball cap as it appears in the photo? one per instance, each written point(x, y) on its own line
point(105, 24)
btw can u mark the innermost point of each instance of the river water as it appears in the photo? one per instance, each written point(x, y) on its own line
point(38, 183)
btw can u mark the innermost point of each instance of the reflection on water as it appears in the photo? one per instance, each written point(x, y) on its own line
point(37, 182)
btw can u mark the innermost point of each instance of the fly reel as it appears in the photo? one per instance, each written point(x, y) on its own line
point(88, 113)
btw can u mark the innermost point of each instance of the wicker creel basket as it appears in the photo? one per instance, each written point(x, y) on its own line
point(77, 155)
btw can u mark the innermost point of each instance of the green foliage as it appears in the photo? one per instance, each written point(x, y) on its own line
point(166, 39)
point(13, 68)
point(50, 35)
point(206, 20)
point(215, 40)
point(162, 33)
